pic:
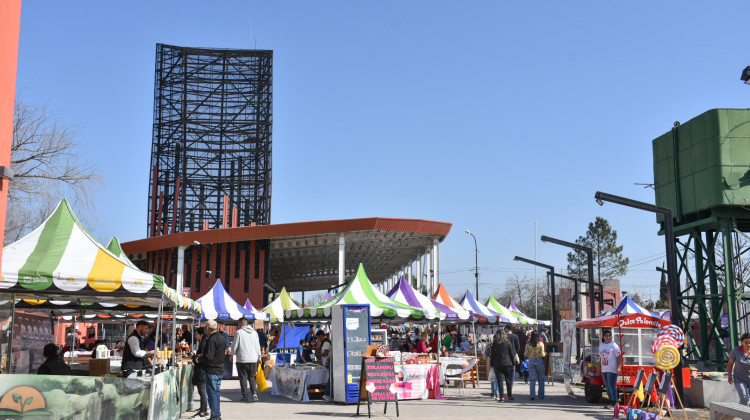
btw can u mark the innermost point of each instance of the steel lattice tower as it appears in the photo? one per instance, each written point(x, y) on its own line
point(211, 152)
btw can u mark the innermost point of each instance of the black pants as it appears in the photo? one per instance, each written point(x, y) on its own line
point(201, 386)
point(504, 374)
point(247, 371)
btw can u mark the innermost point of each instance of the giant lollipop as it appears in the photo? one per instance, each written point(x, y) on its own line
point(667, 357)
point(674, 331)
point(663, 340)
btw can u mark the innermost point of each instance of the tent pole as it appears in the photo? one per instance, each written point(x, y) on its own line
point(174, 334)
point(157, 338)
point(75, 339)
point(439, 349)
point(11, 328)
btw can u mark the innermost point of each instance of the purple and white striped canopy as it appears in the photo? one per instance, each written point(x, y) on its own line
point(403, 292)
point(218, 304)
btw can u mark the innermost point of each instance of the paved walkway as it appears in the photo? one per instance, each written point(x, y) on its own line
point(474, 404)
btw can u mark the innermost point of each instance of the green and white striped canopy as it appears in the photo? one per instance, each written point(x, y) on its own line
point(493, 304)
point(60, 259)
point(359, 291)
point(276, 308)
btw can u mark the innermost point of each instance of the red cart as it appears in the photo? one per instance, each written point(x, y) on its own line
point(634, 333)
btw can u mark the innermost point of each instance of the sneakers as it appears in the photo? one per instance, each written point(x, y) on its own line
point(502, 400)
point(510, 398)
point(243, 399)
point(199, 415)
point(496, 397)
point(255, 398)
point(532, 398)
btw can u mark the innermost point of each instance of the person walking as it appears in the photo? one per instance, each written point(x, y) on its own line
point(213, 359)
point(609, 353)
point(247, 349)
point(738, 369)
point(502, 360)
point(516, 343)
point(534, 353)
point(199, 372)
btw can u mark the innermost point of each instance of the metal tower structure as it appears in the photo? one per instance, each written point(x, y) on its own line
point(702, 173)
point(211, 163)
point(211, 150)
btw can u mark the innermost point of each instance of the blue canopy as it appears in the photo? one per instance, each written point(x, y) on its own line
point(290, 336)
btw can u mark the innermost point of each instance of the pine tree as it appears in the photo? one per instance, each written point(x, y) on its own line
point(608, 259)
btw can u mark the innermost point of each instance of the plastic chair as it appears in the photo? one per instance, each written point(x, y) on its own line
point(455, 373)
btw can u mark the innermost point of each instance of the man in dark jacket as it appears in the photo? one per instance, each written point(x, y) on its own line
point(53, 365)
point(213, 361)
point(516, 347)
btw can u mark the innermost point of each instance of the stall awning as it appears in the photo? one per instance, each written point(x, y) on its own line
point(442, 297)
point(218, 304)
point(469, 303)
point(59, 260)
point(276, 308)
point(359, 291)
point(403, 292)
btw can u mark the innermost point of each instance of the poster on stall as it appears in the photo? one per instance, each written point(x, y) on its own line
point(411, 381)
point(52, 397)
point(568, 331)
point(30, 334)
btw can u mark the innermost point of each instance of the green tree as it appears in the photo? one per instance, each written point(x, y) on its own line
point(608, 259)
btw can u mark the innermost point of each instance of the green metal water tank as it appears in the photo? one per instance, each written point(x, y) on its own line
point(704, 164)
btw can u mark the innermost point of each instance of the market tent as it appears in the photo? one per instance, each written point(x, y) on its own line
point(628, 306)
point(258, 314)
point(522, 318)
point(360, 291)
point(403, 292)
point(495, 306)
point(60, 260)
point(443, 297)
point(276, 308)
point(471, 304)
point(218, 304)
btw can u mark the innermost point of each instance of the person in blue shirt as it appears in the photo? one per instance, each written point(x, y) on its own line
point(303, 352)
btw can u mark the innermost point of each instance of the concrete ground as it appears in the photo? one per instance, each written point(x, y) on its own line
point(474, 404)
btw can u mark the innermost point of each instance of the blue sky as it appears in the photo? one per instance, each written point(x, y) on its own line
point(493, 116)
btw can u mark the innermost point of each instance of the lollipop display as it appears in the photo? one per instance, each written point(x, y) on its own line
point(675, 332)
point(667, 357)
point(663, 340)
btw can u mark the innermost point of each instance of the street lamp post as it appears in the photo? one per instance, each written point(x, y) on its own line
point(476, 265)
point(669, 238)
point(208, 266)
point(551, 269)
point(589, 257)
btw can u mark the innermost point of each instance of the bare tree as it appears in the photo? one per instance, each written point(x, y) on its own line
point(316, 299)
point(48, 166)
point(521, 290)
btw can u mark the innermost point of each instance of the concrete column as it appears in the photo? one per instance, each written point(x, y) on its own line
point(428, 271)
point(419, 275)
point(436, 262)
point(408, 275)
point(342, 258)
point(180, 269)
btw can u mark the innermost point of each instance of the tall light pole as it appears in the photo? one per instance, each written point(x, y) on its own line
point(476, 265)
point(674, 286)
point(590, 258)
point(551, 269)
